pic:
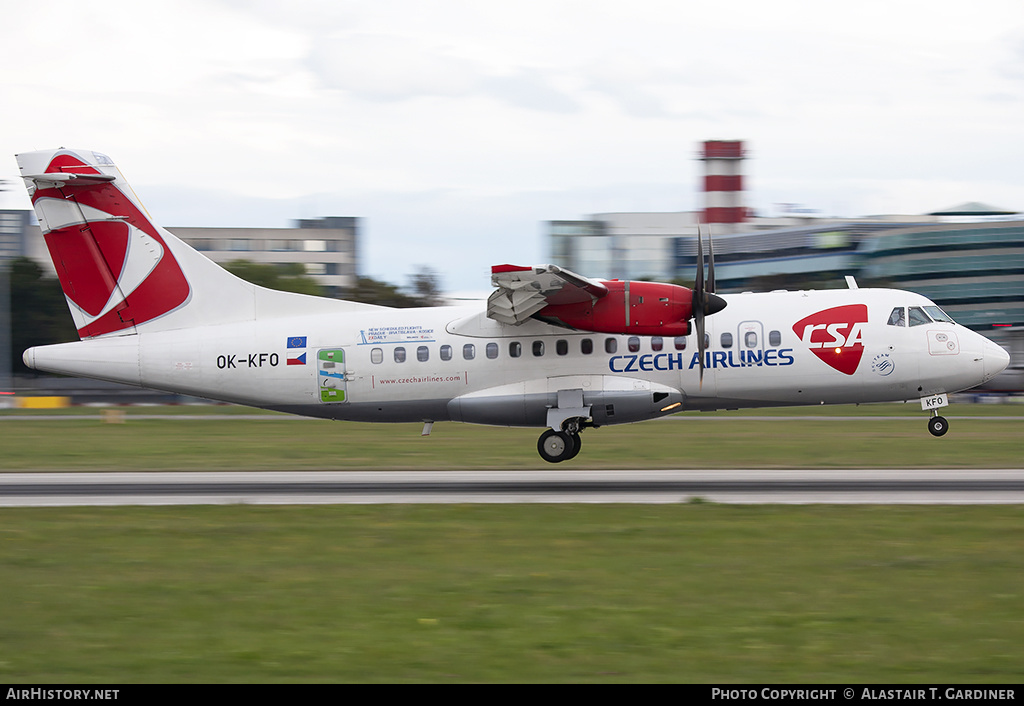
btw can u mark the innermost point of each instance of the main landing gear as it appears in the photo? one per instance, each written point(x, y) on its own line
point(557, 446)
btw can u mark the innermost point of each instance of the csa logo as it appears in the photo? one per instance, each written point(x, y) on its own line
point(835, 335)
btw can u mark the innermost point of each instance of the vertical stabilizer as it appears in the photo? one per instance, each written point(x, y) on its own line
point(114, 265)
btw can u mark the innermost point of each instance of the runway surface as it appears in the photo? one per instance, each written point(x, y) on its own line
point(133, 416)
point(842, 486)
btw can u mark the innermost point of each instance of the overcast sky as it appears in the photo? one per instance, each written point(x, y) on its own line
point(455, 129)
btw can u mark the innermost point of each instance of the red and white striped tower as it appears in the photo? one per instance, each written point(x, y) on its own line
point(723, 184)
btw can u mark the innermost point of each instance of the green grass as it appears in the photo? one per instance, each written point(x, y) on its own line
point(577, 593)
point(691, 440)
point(693, 592)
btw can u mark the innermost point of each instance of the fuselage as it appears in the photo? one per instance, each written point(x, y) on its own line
point(454, 363)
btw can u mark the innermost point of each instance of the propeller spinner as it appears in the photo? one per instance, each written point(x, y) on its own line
point(705, 301)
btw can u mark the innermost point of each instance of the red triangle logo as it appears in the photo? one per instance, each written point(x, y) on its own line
point(834, 335)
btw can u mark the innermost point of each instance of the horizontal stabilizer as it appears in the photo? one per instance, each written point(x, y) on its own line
point(69, 179)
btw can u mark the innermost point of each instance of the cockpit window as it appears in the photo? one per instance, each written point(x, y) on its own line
point(897, 317)
point(938, 314)
point(918, 317)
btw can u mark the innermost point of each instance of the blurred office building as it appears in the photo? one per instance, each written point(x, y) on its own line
point(327, 248)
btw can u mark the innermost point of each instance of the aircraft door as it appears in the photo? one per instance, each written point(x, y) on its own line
point(750, 342)
point(332, 377)
point(712, 342)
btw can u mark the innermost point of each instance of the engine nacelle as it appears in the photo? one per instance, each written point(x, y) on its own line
point(640, 308)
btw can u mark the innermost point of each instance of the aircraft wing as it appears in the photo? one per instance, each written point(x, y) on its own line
point(523, 291)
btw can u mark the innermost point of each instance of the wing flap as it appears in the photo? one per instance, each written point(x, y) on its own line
point(523, 291)
point(514, 306)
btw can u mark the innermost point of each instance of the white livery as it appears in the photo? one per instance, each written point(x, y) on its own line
point(551, 349)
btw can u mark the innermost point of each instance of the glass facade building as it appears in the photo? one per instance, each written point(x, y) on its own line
point(974, 270)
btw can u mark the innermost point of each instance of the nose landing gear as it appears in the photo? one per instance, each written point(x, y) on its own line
point(937, 425)
point(933, 403)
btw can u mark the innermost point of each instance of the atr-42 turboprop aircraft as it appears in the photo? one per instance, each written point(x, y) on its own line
point(552, 349)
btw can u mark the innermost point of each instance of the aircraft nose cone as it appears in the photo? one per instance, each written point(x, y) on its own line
point(996, 359)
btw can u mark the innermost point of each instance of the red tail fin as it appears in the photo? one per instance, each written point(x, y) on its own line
point(115, 268)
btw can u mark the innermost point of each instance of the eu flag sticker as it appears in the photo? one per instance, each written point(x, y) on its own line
point(297, 342)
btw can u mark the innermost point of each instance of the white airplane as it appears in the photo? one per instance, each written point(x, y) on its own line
point(552, 349)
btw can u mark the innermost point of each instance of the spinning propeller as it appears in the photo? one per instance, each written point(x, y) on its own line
point(705, 301)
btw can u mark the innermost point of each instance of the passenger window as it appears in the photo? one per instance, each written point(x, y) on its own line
point(446, 352)
point(680, 343)
point(492, 350)
point(423, 354)
point(726, 340)
point(469, 351)
point(538, 348)
point(611, 345)
point(774, 338)
point(586, 346)
point(633, 344)
point(657, 343)
point(515, 349)
point(377, 355)
point(750, 339)
point(897, 317)
point(562, 346)
point(399, 355)
point(918, 317)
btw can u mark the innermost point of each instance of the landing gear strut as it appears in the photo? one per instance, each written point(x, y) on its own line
point(937, 425)
point(557, 446)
